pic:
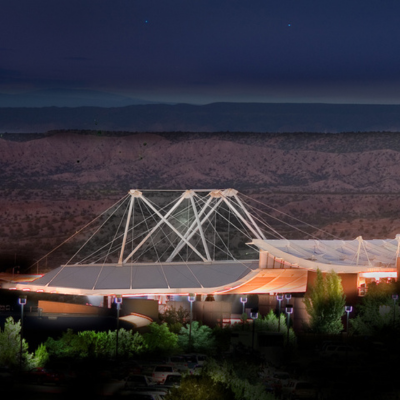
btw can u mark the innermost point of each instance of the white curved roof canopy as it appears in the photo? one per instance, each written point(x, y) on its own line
point(347, 256)
point(141, 279)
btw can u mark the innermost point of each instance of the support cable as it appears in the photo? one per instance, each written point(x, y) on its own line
point(79, 231)
point(288, 215)
point(97, 230)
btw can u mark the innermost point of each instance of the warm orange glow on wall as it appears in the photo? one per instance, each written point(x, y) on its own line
point(67, 308)
point(227, 289)
point(378, 274)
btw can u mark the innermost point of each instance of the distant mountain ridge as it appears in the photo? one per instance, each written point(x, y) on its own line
point(68, 98)
point(215, 117)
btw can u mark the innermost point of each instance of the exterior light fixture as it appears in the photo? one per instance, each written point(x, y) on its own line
point(279, 297)
point(254, 316)
point(22, 300)
point(348, 310)
point(395, 297)
point(289, 311)
point(191, 299)
point(118, 302)
point(243, 300)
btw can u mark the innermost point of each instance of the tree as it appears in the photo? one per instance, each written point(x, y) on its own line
point(240, 377)
point(376, 313)
point(202, 339)
point(174, 318)
point(160, 339)
point(41, 356)
point(325, 304)
point(68, 345)
point(10, 346)
point(129, 343)
point(269, 323)
point(222, 336)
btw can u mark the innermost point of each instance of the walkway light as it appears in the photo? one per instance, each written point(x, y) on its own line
point(243, 300)
point(348, 310)
point(118, 302)
point(191, 299)
point(288, 310)
point(395, 297)
point(279, 297)
point(22, 302)
point(254, 316)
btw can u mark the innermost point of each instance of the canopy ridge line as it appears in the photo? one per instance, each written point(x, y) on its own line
point(366, 252)
point(360, 239)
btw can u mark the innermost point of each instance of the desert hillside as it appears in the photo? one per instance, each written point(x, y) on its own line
point(346, 184)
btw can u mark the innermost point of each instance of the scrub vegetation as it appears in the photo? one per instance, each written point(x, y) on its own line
point(378, 314)
point(325, 304)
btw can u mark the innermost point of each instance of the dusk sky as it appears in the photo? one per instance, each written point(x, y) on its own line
point(204, 51)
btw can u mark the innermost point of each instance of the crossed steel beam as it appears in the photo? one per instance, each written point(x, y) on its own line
point(200, 218)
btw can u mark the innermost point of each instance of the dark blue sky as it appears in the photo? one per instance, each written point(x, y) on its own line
point(201, 51)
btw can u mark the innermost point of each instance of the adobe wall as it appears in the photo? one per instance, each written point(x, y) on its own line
point(148, 308)
point(212, 313)
point(68, 308)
